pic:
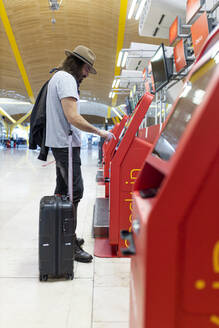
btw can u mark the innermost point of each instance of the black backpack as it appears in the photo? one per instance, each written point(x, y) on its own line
point(37, 135)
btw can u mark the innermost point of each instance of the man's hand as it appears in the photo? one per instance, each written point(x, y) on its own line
point(69, 106)
point(107, 135)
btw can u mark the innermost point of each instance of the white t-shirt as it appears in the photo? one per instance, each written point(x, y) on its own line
point(61, 85)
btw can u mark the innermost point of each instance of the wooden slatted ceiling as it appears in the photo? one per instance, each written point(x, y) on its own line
point(10, 78)
point(41, 43)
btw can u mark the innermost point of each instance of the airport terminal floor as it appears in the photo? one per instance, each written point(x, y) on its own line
point(98, 296)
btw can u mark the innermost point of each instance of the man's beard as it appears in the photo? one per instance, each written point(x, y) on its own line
point(81, 79)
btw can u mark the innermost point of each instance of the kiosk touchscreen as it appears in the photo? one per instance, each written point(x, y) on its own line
point(108, 153)
point(175, 244)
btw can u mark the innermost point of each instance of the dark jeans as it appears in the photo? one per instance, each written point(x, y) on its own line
point(61, 157)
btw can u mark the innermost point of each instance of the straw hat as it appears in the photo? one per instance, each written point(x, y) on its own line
point(85, 54)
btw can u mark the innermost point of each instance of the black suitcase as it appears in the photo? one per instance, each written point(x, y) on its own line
point(57, 233)
point(56, 238)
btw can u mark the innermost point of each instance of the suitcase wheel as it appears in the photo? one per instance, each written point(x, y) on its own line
point(43, 277)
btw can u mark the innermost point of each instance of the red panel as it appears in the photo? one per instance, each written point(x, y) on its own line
point(179, 56)
point(144, 74)
point(152, 132)
point(125, 161)
point(175, 272)
point(130, 168)
point(192, 7)
point(211, 40)
point(199, 32)
point(173, 31)
point(201, 266)
point(141, 133)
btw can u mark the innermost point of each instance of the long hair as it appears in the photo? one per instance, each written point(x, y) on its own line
point(73, 66)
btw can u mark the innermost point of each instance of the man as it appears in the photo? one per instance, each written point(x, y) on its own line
point(63, 114)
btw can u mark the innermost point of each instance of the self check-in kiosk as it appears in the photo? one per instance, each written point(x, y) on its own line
point(124, 168)
point(175, 229)
point(102, 176)
point(114, 213)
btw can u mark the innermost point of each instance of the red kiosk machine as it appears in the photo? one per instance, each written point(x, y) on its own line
point(108, 148)
point(124, 167)
point(113, 214)
point(175, 269)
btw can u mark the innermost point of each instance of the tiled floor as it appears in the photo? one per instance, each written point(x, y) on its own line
point(98, 297)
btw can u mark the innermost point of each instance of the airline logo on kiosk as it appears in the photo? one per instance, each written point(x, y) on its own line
point(201, 284)
point(132, 177)
point(129, 201)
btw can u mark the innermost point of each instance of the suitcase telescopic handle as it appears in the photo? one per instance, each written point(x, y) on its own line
point(70, 168)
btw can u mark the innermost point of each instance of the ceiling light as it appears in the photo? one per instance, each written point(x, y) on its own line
point(54, 5)
point(140, 8)
point(12, 102)
point(114, 83)
point(119, 59)
point(132, 9)
point(117, 83)
point(116, 112)
point(125, 56)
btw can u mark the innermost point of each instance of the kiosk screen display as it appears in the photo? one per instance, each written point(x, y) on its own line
point(192, 95)
point(122, 134)
point(159, 68)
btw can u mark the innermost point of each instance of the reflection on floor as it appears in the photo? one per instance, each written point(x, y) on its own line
point(98, 297)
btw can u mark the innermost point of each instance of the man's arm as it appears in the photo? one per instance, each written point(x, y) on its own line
point(69, 106)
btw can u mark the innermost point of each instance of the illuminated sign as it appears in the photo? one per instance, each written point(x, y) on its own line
point(192, 7)
point(174, 30)
point(179, 56)
point(199, 31)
